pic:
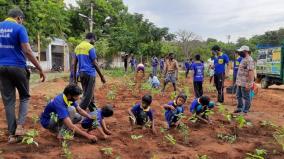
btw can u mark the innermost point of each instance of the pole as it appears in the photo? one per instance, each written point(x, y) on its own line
point(91, 18)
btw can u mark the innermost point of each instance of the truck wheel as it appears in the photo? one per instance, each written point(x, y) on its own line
point(264, 83)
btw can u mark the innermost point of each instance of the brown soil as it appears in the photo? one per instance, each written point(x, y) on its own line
point(267, 105)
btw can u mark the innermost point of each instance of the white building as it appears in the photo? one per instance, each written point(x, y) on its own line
point(56, 54)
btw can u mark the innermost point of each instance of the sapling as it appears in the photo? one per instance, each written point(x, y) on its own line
point(171, 139)
point(107, 151)
point(259, 154)
point(241, 121)
point(183, 128)
point(267, 123)
point(193, 118)
point(202, 157)
point(67, 136)
point(279, 136)
point(35, 119)
point(29, 137)
point(136, 137)
point(173, 96)
point(227, 138)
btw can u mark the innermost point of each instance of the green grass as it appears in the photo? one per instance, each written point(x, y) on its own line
point(34, 79)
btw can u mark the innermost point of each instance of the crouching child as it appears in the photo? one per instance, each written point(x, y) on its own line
point(173, 110)
point(60, 114)
point(98, 121)
point(141, 113)
point(200, 106)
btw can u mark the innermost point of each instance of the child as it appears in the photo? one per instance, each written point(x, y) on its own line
point(61, 113)
point(141, 113)
point(98, 121)
point(139, 76)
point(198, 76)
point(199, 107)
point(174, 109)
point(154, 81)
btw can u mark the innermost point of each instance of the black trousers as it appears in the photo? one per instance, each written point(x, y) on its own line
point(198, 89)
point(219, 83)
point(88, 84)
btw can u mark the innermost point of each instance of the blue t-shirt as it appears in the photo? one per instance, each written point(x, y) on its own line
point(12, 35)
point(187, 65)
point(194, 105)
point(198, 69)
point(57, 106)
point(136, 110)
point(88, 123)
point(162, 63)
point(172, 115)
point(220, 63)
point(86, 54)
point(155, 62)
point(236, 65)
point(133, 62)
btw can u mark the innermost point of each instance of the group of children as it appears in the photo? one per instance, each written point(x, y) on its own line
point(64, 114)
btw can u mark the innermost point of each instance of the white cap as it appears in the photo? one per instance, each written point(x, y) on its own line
point(244, 48)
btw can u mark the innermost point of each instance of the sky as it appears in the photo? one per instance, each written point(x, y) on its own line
point(216, 19)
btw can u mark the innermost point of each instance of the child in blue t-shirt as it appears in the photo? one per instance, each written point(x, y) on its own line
point(141, 113)
point(60, 114)
point(98, 121)
point(174, 109)
point(199, 106)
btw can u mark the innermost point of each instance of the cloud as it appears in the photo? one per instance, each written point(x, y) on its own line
point(217, 19)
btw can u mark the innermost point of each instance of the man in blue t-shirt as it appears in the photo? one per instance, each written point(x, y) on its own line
point(221, 62)
point(187, 66)
point(155, 63)
point(162, 65)
point(14, 49)
point(133, 63)
point(88, 66)
point(60, 114)
point(198, 76)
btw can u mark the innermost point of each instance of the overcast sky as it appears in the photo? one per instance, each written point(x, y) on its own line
point(209, 18)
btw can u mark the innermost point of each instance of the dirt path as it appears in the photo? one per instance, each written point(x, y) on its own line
point(268, 105)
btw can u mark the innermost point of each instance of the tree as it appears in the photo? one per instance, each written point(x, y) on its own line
point(186, 39)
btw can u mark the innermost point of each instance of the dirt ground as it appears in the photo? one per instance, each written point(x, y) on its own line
point(267, 105)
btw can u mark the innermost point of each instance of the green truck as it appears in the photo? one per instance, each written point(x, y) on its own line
point(270, 65)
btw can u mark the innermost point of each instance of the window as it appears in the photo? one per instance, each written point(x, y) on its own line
point(43, 56)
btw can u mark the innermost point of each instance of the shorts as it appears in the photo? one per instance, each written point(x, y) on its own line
point(211, 73)
point(171, 77)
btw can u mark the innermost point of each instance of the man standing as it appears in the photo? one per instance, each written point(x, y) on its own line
point(133, 63)
point(171, 72)
point(221, 61)
point(88, 66)
point(14, 49)
point(162, 65)
point(236, 67)
point(245, 79)
point(125, 60)
point(155, 63)
point(198, 76)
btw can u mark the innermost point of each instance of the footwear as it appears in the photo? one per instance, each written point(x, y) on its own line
point(12, 139)
point(237, 111)
point(20, 131)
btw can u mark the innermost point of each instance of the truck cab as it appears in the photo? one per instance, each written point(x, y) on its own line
point(269, 65)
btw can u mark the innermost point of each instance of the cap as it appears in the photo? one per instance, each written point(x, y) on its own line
point(243, 48)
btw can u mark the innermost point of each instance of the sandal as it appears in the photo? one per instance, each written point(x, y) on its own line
point(13, 139)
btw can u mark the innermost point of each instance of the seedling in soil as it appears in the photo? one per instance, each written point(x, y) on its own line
point(202, 157)
point(136, 137)
point(173, 96)
point(241, 121)
point(222, 109)
point(29, 137)
point(35, 119)
point(171, 139)
point(111, 95)
point(162, 130)
point(107, 151)
point(208, 112)
point(279, 136)
point(193, 118)
point(227, 138)
point(146, 86)
point(67, 136)
point(259, 154)
point(183, 128)
point(268, 124)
